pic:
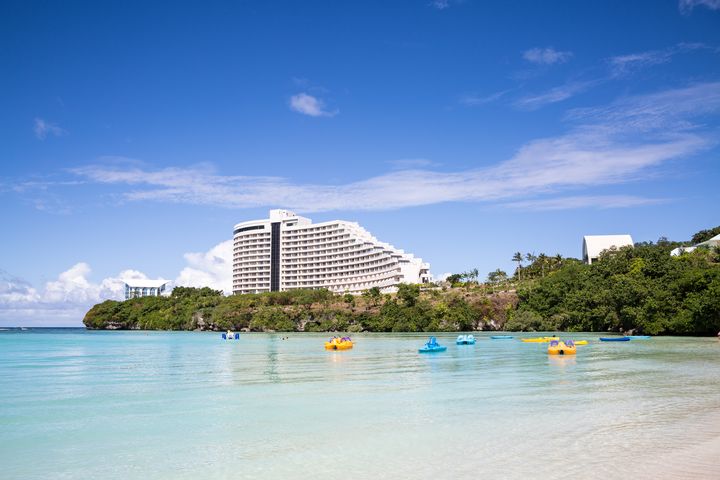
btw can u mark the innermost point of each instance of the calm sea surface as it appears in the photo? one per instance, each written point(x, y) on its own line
point(159, 405)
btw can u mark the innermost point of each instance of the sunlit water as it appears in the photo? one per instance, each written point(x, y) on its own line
point(137, 405)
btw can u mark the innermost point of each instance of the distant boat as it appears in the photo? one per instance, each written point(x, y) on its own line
point(230, 335)
point(539, 339)
point(432, 346)
point(614, 339)
point(465, 340)
point(639, 337)
point(501, 337)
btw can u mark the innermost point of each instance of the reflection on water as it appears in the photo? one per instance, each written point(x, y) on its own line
point(179, 405)
point(562, 362)
point(271, 369)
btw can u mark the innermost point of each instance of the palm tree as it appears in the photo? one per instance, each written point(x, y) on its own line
point(531, 258)
point(518, 257)
point(543, 260)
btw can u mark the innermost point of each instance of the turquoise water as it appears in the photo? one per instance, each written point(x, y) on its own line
point(131, 405)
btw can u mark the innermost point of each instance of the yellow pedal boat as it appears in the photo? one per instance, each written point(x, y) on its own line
point(558, 347)
point(337, 343)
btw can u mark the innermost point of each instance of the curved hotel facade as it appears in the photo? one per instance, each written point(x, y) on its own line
point(287, 251)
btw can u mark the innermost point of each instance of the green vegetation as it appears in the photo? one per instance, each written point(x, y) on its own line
point(641, 289)
point(704, 235)
point(176, 312)
point(412, 309)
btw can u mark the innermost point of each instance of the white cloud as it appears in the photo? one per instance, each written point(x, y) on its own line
point(15, 290)
point(625, 64)
point(61, 301)
point(309, 105)
point(600, 202)
point(616, 143)
point(65, 300)
point(686, 6)
point(442, 277)
point(43, 128)
point(546, 56)
point(617, 67)
point(474, 100)
point(209, 269)
point(443, 4)
point(554, 95)
point(413, 163)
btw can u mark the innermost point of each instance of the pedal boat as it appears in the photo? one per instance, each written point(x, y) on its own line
point(337, 343)
point(558, 347)
point(432, 346)
point(465, 340)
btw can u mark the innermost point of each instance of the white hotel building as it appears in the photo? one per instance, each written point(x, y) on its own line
point(287, 251)
point(145, 288)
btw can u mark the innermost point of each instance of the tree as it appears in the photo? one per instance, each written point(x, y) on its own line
point(408, 293)
point(518, 257)
point(704, 235)
point(474, 274)
point(542, 260)
point(454, 278)
point(373, 294)
point(497, 277)
point(471, 275)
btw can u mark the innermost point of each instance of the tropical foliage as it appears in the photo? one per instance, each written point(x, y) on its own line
point(411, 309)
point(642, 289)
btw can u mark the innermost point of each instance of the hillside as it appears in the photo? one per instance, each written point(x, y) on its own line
point(410, 310)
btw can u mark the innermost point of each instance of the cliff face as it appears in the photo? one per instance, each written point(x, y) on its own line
point(412, 310)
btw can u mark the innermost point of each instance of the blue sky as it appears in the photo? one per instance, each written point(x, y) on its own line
point(135, 135)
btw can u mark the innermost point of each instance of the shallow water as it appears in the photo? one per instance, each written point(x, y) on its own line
point(77, 404)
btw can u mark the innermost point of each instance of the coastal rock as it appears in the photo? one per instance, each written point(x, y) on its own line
point(198, 321)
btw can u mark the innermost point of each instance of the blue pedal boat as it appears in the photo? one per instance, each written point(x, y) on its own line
point(432, 346)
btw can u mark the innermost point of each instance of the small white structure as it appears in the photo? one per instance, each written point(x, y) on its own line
point(144, 288)
point(593, 245)
point(713, 242)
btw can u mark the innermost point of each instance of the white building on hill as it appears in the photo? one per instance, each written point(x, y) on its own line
point(144, 288)
point(593, 245)
point(287, 251)
point(713, 242)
